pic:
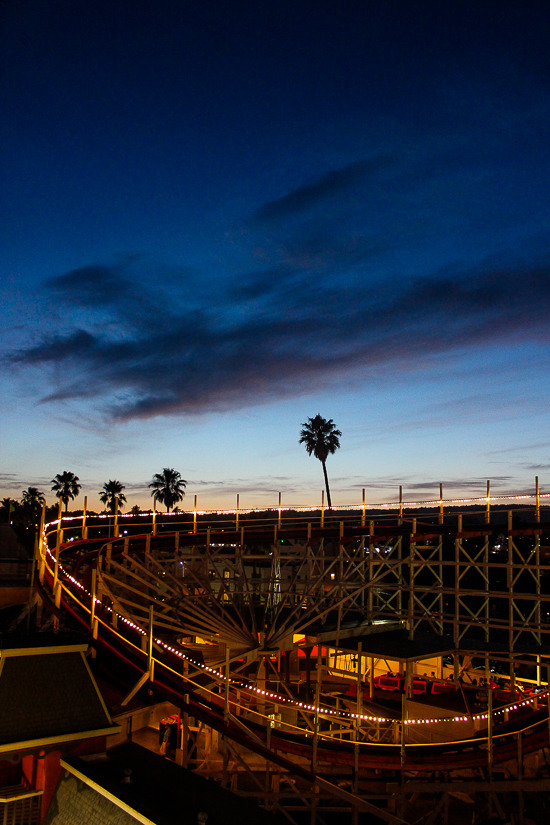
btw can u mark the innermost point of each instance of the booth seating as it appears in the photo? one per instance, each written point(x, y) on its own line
point(420, 686)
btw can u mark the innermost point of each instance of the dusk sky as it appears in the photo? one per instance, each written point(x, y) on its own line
point(220, 218)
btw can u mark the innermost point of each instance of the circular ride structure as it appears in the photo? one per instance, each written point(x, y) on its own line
point(215, 619)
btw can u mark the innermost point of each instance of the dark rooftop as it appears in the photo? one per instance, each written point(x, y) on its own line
point(166, 793)
point(395, 645)
point(47, 694)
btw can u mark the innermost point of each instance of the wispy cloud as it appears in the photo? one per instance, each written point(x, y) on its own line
point(141, 342)
point(327, 186)
point(292, 341)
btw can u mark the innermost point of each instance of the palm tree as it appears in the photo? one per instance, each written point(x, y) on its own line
point(66, 487)
point(33, 497)
point(321, 438)
point(9, 505)
point(112, 495)
point(168, 487)
point(32, 500)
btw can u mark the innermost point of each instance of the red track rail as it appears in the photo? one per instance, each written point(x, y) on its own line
point(452, 756)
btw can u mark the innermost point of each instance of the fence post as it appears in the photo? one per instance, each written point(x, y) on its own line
point(84, 514)
point(115, 520)
point(150, 644)
point(58, 539)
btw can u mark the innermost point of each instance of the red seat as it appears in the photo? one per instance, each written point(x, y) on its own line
point(443, 687)
point(390, 682)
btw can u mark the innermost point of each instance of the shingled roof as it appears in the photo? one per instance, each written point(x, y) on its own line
point(49, 694)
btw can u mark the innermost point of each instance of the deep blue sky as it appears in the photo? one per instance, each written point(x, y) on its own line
point(221, 218)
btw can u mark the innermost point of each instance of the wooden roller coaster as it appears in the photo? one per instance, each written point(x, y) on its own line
point(221, 618)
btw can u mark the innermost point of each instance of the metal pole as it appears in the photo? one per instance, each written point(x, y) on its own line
point(237, 514)
point(537, 495)
point(488, 510)
point(440, 503)
point(195, 516)
point(279, 521)
point(322, 509)
point(154, 515)
point(363, 513)
point(400, 504)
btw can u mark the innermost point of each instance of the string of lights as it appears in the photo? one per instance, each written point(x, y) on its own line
point(278, 699)
point(301, 508)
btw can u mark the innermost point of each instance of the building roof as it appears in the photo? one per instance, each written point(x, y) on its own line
point(48, 694)
point(162, 792)
point(396, 645)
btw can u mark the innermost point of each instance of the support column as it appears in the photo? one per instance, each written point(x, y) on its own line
point(510, 584)
point(42, 546)
point(307, 651)
point(84, 515)
point(115, 519)
point(58, 540)
point(490, 733)
point(288, 654)
point(410, 612)
point(371, 679)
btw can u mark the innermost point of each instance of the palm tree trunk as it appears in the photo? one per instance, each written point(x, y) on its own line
point(326, 485)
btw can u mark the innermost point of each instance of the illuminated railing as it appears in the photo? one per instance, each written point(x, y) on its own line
point(229, 689)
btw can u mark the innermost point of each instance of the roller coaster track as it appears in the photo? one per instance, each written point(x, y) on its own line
point(64, 587)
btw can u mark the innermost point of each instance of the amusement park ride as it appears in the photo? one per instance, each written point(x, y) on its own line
point(331, 661)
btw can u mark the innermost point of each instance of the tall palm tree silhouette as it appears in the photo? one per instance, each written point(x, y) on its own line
point(66, 487)
point(112, 495)
point(168, 487)
point(320, 438)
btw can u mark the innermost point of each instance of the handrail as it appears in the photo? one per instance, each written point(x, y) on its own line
point(267, 696)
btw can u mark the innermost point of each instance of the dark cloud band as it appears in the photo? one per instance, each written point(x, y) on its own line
point(237, 351)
